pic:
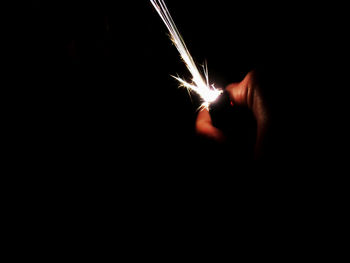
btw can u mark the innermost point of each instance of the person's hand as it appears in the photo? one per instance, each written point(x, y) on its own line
point(246, 93)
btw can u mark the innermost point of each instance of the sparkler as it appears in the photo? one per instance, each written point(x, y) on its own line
point(200, 80)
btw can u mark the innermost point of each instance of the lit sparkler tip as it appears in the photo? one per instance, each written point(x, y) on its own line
point(200, 81)
point(209, 94)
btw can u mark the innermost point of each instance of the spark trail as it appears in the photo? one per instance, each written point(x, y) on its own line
point(200, 80)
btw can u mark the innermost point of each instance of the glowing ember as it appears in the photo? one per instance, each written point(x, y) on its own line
point(200, 82)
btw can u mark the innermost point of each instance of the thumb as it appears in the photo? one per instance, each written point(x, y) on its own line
point(239, 92)
point(247, 93)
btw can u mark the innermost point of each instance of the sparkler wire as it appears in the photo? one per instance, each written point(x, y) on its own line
point(200, 81)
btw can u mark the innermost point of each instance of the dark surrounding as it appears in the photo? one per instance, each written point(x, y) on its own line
point(107, 142)
point(100, 79)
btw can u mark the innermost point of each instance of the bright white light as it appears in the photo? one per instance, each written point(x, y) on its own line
point(200, 81)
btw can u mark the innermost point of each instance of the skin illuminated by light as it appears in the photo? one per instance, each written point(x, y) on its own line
point(200, 81)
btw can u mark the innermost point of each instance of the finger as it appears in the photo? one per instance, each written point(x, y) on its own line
point(204, 127)
point(239, 92)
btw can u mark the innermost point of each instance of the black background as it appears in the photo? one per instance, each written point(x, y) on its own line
point(112, 136)
point(101, 90)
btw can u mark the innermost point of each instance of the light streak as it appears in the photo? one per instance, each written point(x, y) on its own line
point(200, 81)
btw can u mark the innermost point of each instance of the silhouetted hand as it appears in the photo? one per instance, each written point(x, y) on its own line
point(246, 93)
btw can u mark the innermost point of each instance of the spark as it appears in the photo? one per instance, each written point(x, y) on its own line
point(200, 80)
